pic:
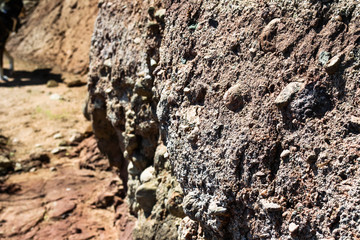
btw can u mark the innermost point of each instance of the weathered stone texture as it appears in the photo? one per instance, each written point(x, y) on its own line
point(207, 76)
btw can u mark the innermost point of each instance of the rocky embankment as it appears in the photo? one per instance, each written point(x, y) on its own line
point(56, 34)
point(231, 119)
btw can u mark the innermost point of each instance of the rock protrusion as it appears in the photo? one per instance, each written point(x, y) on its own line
point(285, 96)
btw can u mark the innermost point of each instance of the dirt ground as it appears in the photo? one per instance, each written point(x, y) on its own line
point(73, 196)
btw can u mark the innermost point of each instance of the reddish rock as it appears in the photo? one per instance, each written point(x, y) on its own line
point(60, 209)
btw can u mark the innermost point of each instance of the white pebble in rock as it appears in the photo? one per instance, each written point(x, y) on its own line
point(55, 97)
point(147, 174)
point(58, 136)
point(269, 206)
point(108, 63)
point(58, 150)
point(293, 227)
point(285, 154)
point(137, 40)
point(187, 90)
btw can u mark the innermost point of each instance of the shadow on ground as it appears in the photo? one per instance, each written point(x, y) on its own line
point(27, 78)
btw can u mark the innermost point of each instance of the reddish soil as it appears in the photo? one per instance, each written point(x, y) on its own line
point(74, 196)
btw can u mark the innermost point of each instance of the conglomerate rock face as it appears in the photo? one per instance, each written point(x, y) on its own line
point(250, 107)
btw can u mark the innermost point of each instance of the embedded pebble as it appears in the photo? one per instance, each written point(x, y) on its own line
point(52, 83)
point(269, 206)
point(214, 209)
point(287, 93)
point(233, 98)
point(56, 97)
point(293, 227)
point(53, 169)
point(58, 150)
point(108, 63)
point(18, 167)
point(147, 174)
point(333, 65)
point(137, 40)
point(324, 57)
point(153, 63)
point(285, 154)
point(160, 14)
point(58, 136)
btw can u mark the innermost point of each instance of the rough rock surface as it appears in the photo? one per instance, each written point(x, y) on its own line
point(248, 169)
point(56, 33)
point(61, 201)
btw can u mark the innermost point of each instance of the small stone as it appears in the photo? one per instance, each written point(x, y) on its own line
point(153, 63)
point(76, 138)
point(293, 228)
point(53, 169)
point(58, 136)
point(338, 18)
point(287, 93)
point(160, 14)
point(333, 65)
point(161, 72)
point(107, 63)
point(324, 57)
point(75, 83)
point(187, 90)
point(174, 204)
point(146, 195)
point(285, 154)
point(214, 209)
point(52, 83)
point(56, 97)
point(58, 150)
point(15, 141)
point(311, 158)
point(137, 40)
point(63, 143)
point(60, 209)
point(18, 167)
point(269, 206)
point(133, 170)
point(252, 51)
point(33, 169)
point(259, 174)
point(147, 174)
point(159, 158)
point(193, 27)
point(233, 98)
point(193, 136)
